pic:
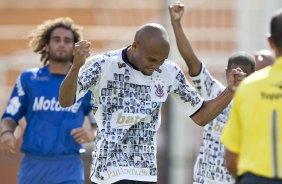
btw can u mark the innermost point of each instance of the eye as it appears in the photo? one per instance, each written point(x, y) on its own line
point(67, 40)
point(56, 39)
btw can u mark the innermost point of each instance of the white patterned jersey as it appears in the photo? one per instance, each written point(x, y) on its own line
point(128, 113)
point(209, 167)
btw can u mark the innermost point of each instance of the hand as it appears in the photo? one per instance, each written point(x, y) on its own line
point(8, 143)
point(176, 11)
point(81, 52)
point(236, 75)
point(81, 135)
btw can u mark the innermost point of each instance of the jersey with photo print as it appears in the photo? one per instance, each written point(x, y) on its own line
point(128, 114)
point(209, 166)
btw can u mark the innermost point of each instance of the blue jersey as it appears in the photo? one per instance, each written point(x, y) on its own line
point(35, 97)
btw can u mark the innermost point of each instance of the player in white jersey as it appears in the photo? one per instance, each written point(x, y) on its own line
point(209, 167)
point(130, 85)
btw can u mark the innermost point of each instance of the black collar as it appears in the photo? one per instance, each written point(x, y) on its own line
point(126, 60)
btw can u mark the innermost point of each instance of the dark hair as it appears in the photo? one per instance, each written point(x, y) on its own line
point(242, 58)
point(41, 35)
point(276, 29)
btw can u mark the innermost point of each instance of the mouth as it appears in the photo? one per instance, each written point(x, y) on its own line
point(61, 51)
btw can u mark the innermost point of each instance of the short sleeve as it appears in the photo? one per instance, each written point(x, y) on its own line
point(89, 75)
point(206, 85)
point(17, 103)
point(186, 95)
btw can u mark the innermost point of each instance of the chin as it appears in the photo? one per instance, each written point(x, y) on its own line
point(148, 73)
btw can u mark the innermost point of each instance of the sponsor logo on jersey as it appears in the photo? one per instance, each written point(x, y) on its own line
point(43, 104)
point(218, 128)
point(126, 119)
point(113, 172)
point(271, 96)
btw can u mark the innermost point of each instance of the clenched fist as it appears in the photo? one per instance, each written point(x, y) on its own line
point(235, 76)
point(81, 52)
point(176, 11)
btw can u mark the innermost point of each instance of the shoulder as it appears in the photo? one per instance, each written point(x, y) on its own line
point(32, 70)
point(103, 58)
point(170, 66)
point(256, 78)
point(253, 82)
point(28, 73)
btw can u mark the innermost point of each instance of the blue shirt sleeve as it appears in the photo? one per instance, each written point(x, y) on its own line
point(17, 103)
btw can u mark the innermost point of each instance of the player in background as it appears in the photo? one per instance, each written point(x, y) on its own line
point(53, 135)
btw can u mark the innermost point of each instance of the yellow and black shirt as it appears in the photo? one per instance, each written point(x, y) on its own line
point(254, 128)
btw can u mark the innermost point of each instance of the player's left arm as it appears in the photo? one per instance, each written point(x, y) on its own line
point(212, 108)
point(231, 162)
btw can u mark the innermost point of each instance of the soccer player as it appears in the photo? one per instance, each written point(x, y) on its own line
point(209, 166)
point(53, 135)
point(146, 66)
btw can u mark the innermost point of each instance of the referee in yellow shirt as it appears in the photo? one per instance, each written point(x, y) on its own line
point(253, 134)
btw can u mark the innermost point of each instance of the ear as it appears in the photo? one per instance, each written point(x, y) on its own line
point(134, 46)
point(270, 42)
point(46, 48)
point(226, 71)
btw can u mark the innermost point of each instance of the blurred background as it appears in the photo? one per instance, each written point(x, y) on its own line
point(216, 29)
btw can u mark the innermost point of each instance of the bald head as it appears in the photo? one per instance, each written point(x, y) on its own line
point(150, 48)
point(152, 33)
point(263, 58)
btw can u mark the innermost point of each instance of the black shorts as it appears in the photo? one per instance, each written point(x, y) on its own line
point(250, 178)
point(131, 182)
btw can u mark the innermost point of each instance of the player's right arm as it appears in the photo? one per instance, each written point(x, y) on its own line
point(68, 87)
point(15, 110)
point(176, 11)
point(7, 138)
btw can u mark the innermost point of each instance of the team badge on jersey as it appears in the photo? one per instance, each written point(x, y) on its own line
point(159, 88)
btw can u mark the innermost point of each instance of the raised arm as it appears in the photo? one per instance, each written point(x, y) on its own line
point(69, 85)
point(212, 108)
point(176, 11)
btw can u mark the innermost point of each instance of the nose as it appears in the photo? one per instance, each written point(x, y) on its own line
point(62, 43)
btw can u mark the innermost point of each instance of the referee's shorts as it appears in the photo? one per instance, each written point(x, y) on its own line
point(249, 178)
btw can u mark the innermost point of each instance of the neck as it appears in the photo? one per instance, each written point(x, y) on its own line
point(277, 52)
point(278, 55)
point(59, 67)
